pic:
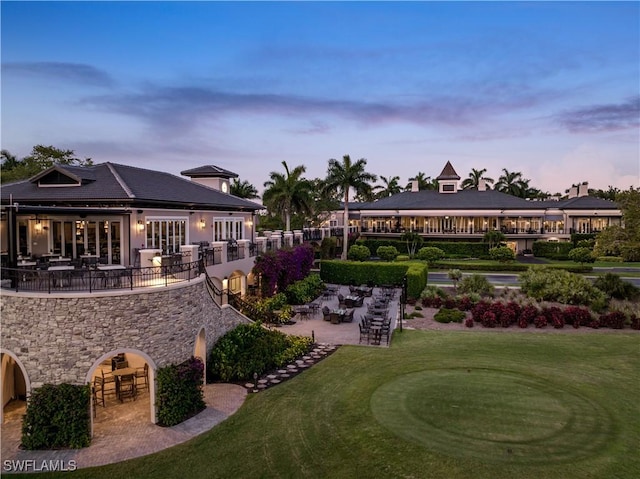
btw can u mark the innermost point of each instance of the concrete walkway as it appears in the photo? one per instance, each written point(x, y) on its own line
point(123, 431)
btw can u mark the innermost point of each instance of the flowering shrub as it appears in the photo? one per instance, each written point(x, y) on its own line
point(468, 322)
point(540, 321)
point(179, 394)
point(284, 267)
point(523, 323)
point(614, 320)
point(554, 316)
point(577, 316)
point(489, 320)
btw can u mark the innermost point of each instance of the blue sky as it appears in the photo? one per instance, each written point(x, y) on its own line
point(546, 88)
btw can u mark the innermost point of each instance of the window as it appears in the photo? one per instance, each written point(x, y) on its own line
point(228, 228)
point(167, 234)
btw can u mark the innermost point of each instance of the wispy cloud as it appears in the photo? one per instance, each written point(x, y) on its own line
point(77, 73)
point(185, 107)
point(598, 118)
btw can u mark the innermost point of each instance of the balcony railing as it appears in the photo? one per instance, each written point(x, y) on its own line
point(101, 278)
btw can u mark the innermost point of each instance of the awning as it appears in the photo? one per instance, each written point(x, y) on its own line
point(553, 217)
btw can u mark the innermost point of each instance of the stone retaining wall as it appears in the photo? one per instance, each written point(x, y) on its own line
point(58, 338)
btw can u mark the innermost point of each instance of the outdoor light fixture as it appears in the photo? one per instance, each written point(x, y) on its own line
point(225, 284)
point(203, 223)
point(140, 225)
point(38, 226)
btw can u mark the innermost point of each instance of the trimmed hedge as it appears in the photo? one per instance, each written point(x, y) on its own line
point(552, 250)
point(377, 273)
point(514, 267)
point(57, 417)
point(456, 248)
point(179, 395)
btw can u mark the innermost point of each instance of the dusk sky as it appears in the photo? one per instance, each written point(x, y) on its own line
point(546, 88)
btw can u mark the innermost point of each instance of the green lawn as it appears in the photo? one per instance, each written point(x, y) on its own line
point(465, 404)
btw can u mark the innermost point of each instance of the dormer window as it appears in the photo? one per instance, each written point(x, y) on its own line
point(57, 177)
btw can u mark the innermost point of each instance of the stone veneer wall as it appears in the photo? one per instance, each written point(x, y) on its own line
point(59, 338)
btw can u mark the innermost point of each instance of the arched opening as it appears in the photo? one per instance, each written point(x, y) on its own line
point(123, 391)
point(14, 389)
point(200, 351)
point(238, 283)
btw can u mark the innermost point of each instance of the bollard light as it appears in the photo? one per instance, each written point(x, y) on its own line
point(255, 382)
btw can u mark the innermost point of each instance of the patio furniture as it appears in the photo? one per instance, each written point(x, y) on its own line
point(326, 313)
point(364, 332)
point(143, 373)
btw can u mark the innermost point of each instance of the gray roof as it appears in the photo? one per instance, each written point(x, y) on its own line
point(209, 171)
point(114, 184)
point(448, 173)
point(478, 200)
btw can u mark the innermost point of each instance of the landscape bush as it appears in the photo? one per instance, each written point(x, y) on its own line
point(305, 290)
point(552, 250)
point(358, 253)
point(475, 283)
point(57, 417)
point(179, 394)
point(250, 348)
point(430, 254)
point(582, 255)
point(502, 254)
point(387, 253)
point(615, 287)
point(446, 315)
point(546, 284)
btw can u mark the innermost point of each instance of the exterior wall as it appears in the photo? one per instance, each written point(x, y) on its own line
point(59, 338)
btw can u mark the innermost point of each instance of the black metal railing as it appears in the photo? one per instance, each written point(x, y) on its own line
point(101, 278)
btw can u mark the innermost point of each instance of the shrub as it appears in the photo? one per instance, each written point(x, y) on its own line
point(557, 285)
point(610, 259)
point(552, 250)
point(57, 417)
point(305, 290)
point(581, 255)
point(358, 253)
point(577, 316)
point(616, 287)
point(614, 320)
point(432, 296)
point(284, 267)
point(489, 320)
point(387, 253)
point(468, 322)
point(502, 254)
point(402, 257)
point(179, 393)
point(446, 315)
point(430, 254)
point(250, 348)
point(475, 283)
point(540, 321)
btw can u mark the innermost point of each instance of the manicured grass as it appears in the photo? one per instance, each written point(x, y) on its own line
point(437, 404)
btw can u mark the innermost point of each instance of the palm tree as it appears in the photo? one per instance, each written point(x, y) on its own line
point(512, 183)
point(474, 179)
point(390, 186)
point(244, 189)
point(423, 181)
point(288, 193)
point(344, 176)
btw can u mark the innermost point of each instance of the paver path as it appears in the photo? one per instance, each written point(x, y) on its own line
point(131, 434)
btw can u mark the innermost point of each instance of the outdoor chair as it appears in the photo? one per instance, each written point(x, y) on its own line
point(364, 332)
point(326, 314)
point(128, 387)
point(143, 373)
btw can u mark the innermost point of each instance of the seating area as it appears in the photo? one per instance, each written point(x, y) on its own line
point(116, 380)
point(350, 318)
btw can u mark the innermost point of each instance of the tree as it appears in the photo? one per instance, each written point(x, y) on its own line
point(623, 240)
point(494, 238)
point(474, 179)
point(341, 177)
point(390, 187)
point(581, 255)
point(41, 158)
point(413, 240)
point(324, 201)
point(512, 183)
point(287, 194)
point(424, 182)
point(244, 189)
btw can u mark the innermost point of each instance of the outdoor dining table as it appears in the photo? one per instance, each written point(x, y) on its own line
point(60, 274)
point(111, 273)
point(118, 373)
